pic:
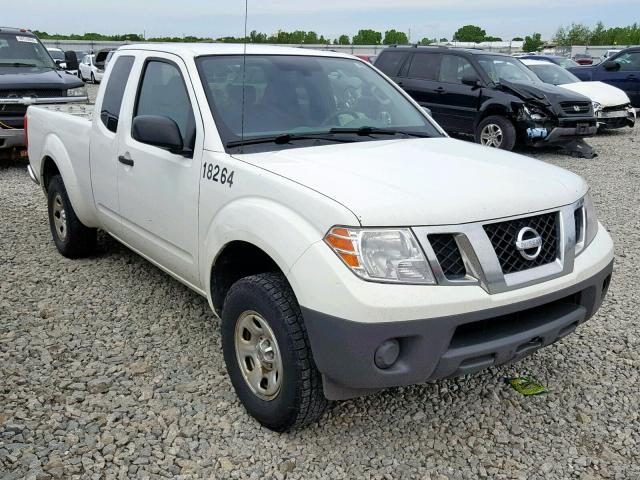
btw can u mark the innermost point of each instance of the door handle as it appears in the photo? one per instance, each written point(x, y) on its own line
point(125, 160)
point(439, 90)
point(399, 83)
point(631, 76)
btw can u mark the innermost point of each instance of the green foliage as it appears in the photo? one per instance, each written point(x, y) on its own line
point(444, 40)
point(343, 40)
point(517, 39)
point(367, 37)
point(532, 43)
point(469, 33)
point(492, 39)
point(90, 36)
point(581, 34)
point(428, 41)
point(393, 37)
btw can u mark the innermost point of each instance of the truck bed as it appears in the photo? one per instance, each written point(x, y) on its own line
point(82, 110)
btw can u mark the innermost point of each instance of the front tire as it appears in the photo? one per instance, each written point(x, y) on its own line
point(497, 132)
point(93, 78)
point(71, 237)
point(268, 355)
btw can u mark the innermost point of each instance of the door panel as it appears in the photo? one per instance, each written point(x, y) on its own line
point(459, 103)
point(420, 82)
point(627, 78)
point(104, 145)
point(159, 192)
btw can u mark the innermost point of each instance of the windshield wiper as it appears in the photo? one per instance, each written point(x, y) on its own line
point(17, 64)
point(286, 138)
point(367, 131)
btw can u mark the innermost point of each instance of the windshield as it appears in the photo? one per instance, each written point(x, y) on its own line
point(502, 68)
point(298, 95)
point(555, 74)
point(22, 50)
point(57, 54)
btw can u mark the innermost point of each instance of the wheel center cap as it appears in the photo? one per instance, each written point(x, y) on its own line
point(265, 352)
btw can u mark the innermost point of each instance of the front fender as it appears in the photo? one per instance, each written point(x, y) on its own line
point(77, 184)
point(281, 232)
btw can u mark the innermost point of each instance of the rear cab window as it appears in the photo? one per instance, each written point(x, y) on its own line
point(114, 91)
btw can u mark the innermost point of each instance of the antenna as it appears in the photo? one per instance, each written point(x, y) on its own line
point(244, 67)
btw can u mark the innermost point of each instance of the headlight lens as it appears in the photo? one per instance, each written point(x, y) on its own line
point(586, 224)
point(77, 92)
point(381, 255)
point(533, 112)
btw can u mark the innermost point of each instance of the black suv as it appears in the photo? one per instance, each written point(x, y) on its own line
point(492, 96)
point(29, 76)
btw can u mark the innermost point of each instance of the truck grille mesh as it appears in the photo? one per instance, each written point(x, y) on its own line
point(22, 109)
point(448, 255)
point(503, 237)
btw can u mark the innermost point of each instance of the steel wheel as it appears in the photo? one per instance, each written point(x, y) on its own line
point(258, 355)
point(59, 217)
point(491, 136)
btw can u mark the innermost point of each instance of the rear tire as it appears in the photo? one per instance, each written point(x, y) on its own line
point(71, 237)
point(263, 308)
point(497, 132)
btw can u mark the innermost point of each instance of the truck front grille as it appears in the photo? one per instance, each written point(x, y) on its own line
point(503, 237)
point(18, 109)
point(448, 254)
point(576, 108)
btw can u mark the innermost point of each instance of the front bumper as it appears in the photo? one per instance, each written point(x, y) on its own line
point(616, 118)
point(448, 346)
point(11, 138)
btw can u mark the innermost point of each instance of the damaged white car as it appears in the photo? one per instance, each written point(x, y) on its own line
point(611, 105)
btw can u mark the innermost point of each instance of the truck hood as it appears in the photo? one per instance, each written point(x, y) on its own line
point(25, 78)
point(543, 93)
point(414, 182)
point(605, 95)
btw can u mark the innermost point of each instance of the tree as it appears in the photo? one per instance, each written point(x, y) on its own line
point(469, 33)
point(517, 39)
point(532, 43)
point(393, 37)
point(343, 40)
point(367, 37)
point(444, 40)
point(427, 41)
point(492, 39)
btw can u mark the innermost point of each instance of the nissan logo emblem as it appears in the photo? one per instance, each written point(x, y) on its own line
point(529, 243)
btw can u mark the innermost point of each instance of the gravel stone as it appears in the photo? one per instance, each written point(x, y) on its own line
point(111, 369)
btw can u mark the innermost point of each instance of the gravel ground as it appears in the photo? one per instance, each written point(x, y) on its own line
point(111, 369)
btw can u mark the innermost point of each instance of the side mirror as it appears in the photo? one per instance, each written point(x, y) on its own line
point(71, 60)
point(471, 80)
point(162, 132)
point(611, 66)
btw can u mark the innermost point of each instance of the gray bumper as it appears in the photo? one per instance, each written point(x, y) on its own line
point(445, 347)
point(560, 134)
point(11, 138)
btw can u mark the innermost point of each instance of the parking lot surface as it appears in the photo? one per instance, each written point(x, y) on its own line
point(111, 369)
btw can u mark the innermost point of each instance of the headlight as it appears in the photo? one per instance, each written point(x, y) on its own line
point(597, 107)
point(532, 112)
point(77, 92)
point(381, 255)
point(586, 224)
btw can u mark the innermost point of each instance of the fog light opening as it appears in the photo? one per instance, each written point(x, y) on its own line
point(387, 353)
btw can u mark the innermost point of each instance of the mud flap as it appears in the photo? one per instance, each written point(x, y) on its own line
point(578, 148)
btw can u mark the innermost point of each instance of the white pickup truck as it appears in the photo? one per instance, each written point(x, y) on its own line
point(345, 241)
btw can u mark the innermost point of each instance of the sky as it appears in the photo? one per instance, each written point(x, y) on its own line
point(331, 18)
